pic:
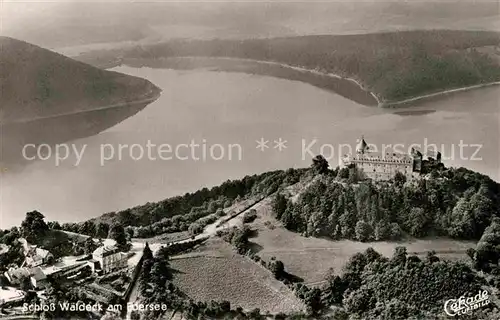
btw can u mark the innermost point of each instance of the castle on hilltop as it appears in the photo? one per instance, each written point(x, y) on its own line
point(380, 167)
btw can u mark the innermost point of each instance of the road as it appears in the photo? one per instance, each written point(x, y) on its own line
point(209, 231)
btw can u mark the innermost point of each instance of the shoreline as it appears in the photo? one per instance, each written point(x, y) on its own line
point(296, 68)
point(112, 106)
point(396, 104)
point(380, 102)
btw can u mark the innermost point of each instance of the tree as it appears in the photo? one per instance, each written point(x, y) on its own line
point(129, 231)
point(359, 301)
point(395, 231)
point(417, 221)
point(288, 219)
point(279, 205)
point(195, 228)
point(399, 256)
point(89, 245)
point(382, 230)
point(255, 314)
point(250, 216)
point(431, 257)
point(471, 252)
point(462, 220)
point(117, 233)
point(101, 230)
point(33, 226)
point(313, 300)
point(54, 225)
point(240, 240)
point(399, 179)
point(25, 284)
point(160, 273)
point(488, 247)
point(319, 164)
point(363, 231)
point(147, 253)
point(277, 268)
point(334, 290)
point(343, 173)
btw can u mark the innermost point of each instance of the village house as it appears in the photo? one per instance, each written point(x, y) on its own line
point(4, 249)
point(17, 275)
point(110, 258)
point(35, 256)
point(38, 278)
point(10, 296)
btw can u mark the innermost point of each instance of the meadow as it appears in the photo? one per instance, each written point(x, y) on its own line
point(311, 258)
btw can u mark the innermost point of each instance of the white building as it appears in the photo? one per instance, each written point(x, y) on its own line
point(379, 166)
point(110, 258)
point(10, 295)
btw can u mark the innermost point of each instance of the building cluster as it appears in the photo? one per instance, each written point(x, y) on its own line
point(39, 264)
point(384, 166)
point(109, 258)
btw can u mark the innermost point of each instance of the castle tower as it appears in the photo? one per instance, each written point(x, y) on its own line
point(362, 146)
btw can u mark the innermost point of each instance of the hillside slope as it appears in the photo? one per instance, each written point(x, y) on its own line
point(394, 66)
point(38, 83)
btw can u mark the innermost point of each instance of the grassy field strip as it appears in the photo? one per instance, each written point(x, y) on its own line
point(196, 255)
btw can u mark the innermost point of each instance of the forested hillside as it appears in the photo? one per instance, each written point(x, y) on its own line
point(36, 82)
point(178, 213)
point(394, 66)
point(456, 203)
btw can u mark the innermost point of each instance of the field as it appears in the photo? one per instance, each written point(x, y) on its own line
point(310, 258)
point(166, 237)
point(215, 272)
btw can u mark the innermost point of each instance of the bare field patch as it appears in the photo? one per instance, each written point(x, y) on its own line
point(215, 272)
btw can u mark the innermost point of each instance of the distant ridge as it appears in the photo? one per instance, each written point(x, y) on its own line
point(38, 83)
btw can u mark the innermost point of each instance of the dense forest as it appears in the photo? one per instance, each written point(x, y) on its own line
point(395, 65)
point(401, 287)
point(456, 203)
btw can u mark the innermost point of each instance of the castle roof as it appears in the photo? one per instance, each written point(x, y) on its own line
point(362, 146)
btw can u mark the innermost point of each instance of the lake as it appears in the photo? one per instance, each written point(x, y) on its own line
point(225, 114)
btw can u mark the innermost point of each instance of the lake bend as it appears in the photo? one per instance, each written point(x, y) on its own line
point(206, 126)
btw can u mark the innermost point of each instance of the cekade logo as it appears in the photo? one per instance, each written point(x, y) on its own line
point(462, 305)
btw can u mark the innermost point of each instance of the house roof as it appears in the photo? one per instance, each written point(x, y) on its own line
point(38, 274)
point(105, 251)
point(4, 248)
point(18, 273)
point(42, 253)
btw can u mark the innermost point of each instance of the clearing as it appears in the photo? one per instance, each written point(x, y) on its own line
point(310, 258)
